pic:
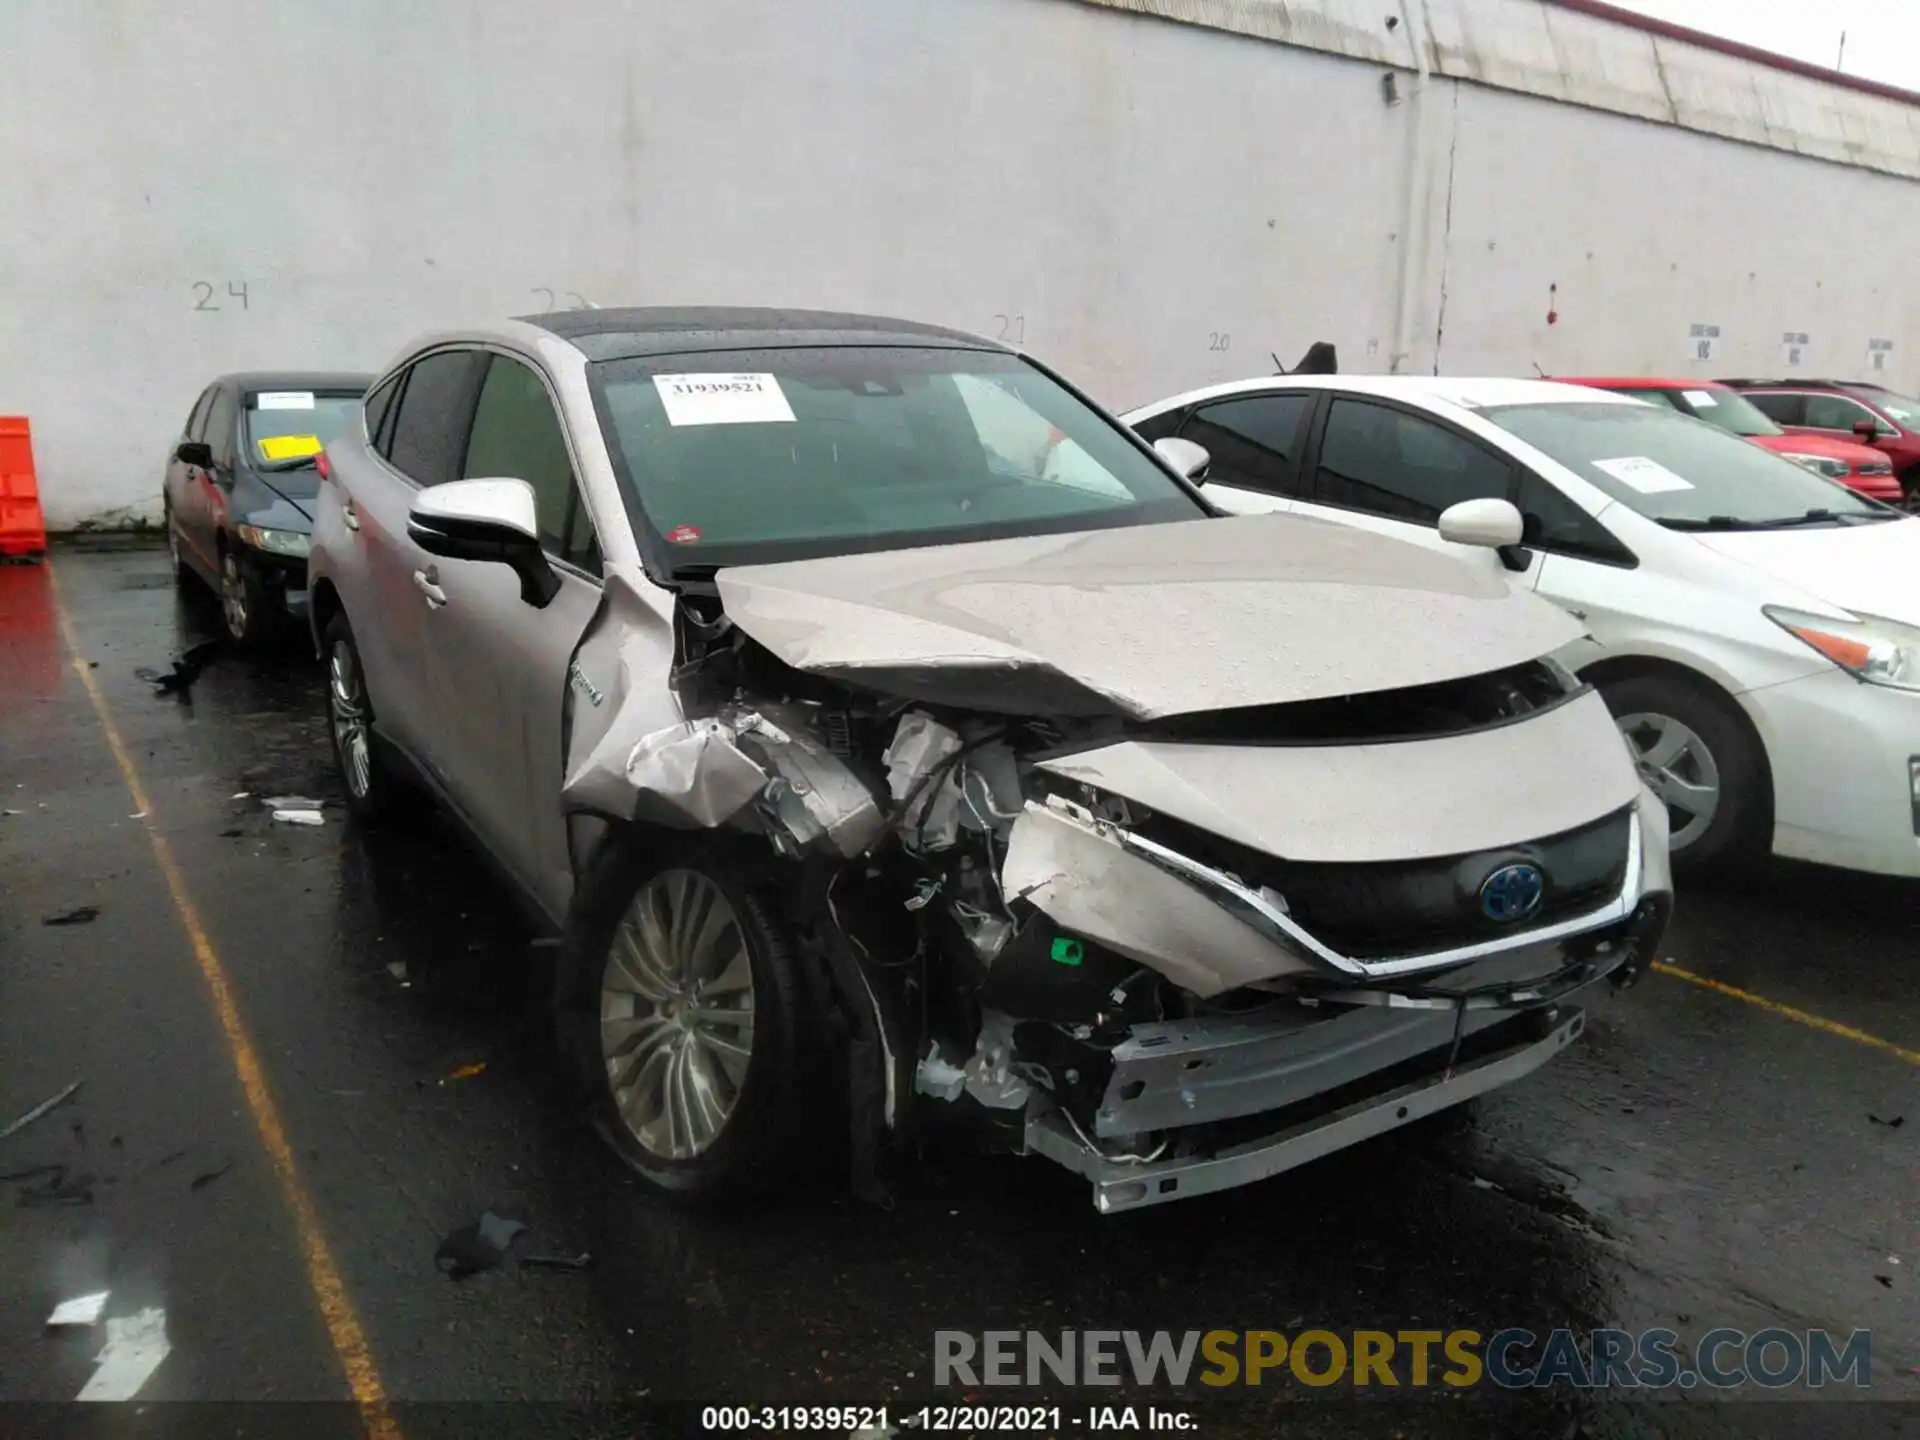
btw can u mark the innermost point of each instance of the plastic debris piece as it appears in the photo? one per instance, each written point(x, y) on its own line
point(1894, 1124)
point(397, 969)
point(479, 1246)
point(299, 817)
point(138, 815)
point(467, 1071)
point(79, 915)
point(231, 834)
point(185, 670)
point(1886, 1280)
point(81, 1310)
point(291, 802)
point(556, 1262)
point(241, 795)
point(41, 1109)
point(12, 812)
point(206, 1178)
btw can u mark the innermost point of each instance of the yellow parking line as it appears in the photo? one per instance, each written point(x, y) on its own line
point(323, 1275)
point(1789, 1012)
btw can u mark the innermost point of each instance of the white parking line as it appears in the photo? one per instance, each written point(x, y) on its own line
point(135, 1347)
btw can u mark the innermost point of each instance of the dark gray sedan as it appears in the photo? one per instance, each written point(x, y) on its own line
point(239, 489)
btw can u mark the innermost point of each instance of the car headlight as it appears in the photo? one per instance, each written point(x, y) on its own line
point(1818, 464)
point(276, 542)
point(1880, 652)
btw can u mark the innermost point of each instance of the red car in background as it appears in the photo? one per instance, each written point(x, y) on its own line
point(1859, 467)
point(1882, 418)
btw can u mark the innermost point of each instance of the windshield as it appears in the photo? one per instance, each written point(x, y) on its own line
point(1728, 409)
point(1676, 470)
point(287, 428)
point(1905, 411)
point(742, 456)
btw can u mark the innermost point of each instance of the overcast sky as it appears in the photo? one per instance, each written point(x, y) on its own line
point(1883, 36)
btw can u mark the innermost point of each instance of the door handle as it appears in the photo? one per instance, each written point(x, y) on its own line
point(349, 516)
point(425, 581)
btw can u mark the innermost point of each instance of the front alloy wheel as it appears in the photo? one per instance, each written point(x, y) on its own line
point(1677, 765)
point(347, 712)
point(243, 604)
point(676, 1015)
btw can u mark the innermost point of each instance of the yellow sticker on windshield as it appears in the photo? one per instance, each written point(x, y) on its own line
point(289, 447)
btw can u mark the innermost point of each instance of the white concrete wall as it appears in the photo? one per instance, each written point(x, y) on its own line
point(1150, 205)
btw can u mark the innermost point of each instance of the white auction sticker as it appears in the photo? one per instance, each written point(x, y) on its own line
point(284, 400)
point(1701, 399)
point(1649, 477)
point(722, 399)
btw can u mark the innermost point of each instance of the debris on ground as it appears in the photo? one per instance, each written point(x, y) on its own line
point(186, 670)
point(467, 1072)
point(57, 1189)
point(231, 834)
point(1886, 1280)
point(241, 795)
point(43, 1108)
point(1894, 1124)
point(397, 969)
point(81, 1310)
point(206, 1178)
point(556, 1262)
point(79, 915)
point(294, 809)
point(479, 1246)
point(12, 812)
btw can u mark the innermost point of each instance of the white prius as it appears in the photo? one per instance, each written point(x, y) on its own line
point(1755, 629)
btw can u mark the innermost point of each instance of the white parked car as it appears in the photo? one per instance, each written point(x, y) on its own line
point(1755, 629)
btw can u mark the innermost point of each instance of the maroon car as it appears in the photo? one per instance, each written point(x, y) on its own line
point(1882, 418)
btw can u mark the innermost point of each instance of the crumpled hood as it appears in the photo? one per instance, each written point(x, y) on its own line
point(1865, 568)
point(1144, 621)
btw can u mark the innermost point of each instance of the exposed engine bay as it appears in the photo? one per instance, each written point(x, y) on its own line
point(1094, 933)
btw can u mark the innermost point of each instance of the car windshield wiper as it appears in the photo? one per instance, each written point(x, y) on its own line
point(1774, 522)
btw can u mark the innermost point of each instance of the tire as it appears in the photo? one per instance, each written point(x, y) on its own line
point(246, 609)
point(1686, 741)
point(602, 999)
point(368, 783)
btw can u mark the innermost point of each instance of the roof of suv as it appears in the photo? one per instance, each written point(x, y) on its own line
point(251, 380)
point(1801, 384)
point(674, 330)
point(1640, 382)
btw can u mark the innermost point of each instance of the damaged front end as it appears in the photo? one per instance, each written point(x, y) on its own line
point(1174, 954)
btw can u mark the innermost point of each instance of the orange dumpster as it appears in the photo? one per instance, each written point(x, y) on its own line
point(23, 530)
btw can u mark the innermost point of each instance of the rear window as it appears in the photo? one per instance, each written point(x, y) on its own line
point(741, 456)
point(290, 427)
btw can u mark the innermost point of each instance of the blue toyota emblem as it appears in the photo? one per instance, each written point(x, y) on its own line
point(1513, 892)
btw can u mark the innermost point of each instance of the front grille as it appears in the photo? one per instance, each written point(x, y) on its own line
point(1388, 908)
point(1876, 467)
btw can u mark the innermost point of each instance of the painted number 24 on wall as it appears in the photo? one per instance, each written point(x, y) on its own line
point(204, 294)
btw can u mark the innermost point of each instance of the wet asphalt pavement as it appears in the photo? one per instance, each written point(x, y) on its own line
point(1697, 1160)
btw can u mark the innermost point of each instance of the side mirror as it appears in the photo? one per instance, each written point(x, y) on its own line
point(194, 452)
point(1486, 523)
point(486, 520)
point(1866, 429)
point(1189, 461)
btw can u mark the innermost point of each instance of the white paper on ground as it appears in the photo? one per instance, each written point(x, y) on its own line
point(284, 400)
point(1649, 477)
point(81, 1310)
point(134, 1349)
point(1701, 399)
point(299, 817)
point(722, 399)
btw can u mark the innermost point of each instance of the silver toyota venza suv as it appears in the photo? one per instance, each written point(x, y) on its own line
point(890, 734)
